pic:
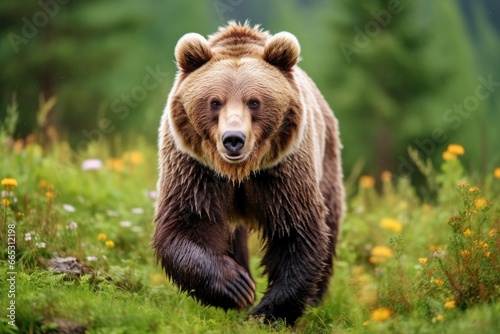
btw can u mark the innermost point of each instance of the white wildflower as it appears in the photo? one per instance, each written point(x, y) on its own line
point(137, 211)
point(69, 208)
point(125, 223)
point(72, 226)
point(92, 164)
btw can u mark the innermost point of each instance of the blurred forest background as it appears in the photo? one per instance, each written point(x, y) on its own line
point(397, 73)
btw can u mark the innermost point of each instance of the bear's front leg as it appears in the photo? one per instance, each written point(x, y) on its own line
point(296, 238)
point(192, 242)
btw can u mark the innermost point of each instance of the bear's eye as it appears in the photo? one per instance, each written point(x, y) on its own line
point(215, 104)
point(253, 104)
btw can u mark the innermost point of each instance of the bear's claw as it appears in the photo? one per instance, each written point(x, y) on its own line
point(237, 285)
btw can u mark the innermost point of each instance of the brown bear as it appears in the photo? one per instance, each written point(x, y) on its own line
point(247, 142)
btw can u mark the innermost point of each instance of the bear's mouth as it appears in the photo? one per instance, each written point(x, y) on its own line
point(233, 158)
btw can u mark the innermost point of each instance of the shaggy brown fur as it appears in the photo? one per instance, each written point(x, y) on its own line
point(280, 173)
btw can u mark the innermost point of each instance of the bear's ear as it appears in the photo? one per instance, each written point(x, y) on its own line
point(191, 52)
point(282, 50)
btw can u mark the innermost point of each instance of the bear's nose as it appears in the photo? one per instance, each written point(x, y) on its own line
point(233, 141)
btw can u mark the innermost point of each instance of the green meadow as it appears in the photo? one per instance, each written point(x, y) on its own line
point(79, 227)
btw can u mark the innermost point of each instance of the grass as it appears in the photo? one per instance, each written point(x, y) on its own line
point(405, 265)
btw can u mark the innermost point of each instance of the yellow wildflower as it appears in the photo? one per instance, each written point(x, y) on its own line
point(496, 173)
point(157, 278)
point(426, 207)
point(365, 323)
point(110, 243)
point(135, 157)
point(473, 190)
point(467, 232)
point(102, 237)
point(456, 149)
point(449, 156)
point(9, 183)
point(449, 304)
point(422, 260)
point(391, 224)
point(462, 185)
point(381, 314)
point(380, 254)
point(465, 252)
point(487, 254)
point(42, 183)
point(439, 317)
point(483, 244)
point(386, 176)
point(49, 195)
point(5, 202)
point(438, 281)
point(367, 181)
point(115, 164)
point(492, 233)
point(480, 202)
point(436, 248)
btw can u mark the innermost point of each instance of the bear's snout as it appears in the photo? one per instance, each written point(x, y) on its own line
point(233, 141)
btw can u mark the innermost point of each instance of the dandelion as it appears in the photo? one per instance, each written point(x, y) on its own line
point(467, 232)
point(40, 244)
point(456, 149)
point(72, 226)
point(91, 164)
point(5, 202)
point(391, 225)
point(9, 183)
point(102, 237)
point(367, 182)
point(110, 243)
point(438, 281)
point(450, 304)
point(480, 202)
point(465, 252)
point(381, 314)
point(27, 236)
point(449, 156)
point(496, 173)
point(380, 254)
point(69, 208)
point(386, 176)
point(422, 260)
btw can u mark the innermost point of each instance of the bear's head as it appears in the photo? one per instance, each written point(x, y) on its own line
point(236, 106)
